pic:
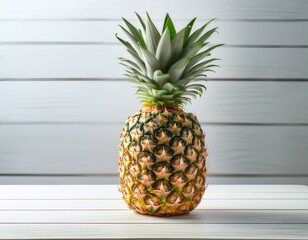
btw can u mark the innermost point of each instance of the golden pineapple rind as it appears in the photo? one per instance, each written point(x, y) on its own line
point(162, 158)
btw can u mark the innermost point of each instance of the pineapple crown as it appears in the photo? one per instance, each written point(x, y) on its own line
point(166, 66)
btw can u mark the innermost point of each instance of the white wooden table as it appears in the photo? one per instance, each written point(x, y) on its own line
point(98, 212)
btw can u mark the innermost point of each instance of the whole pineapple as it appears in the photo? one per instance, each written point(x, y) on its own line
point(162, 152)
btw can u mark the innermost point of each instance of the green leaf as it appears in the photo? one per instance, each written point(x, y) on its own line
point(133, 80)
point(133, 53)
point(177, 44)
point(198, 73)
point(185, 80)
point(149, 86)
point(158, 79)
point(193, 37)
point(126, 44)
point(191, 93)
point(151, 62)
point(132, 69)
point(159, 93)
point(140, 76)
point(206, 35)
point(193, 49)
point(163, 52)
point(152, 35)
point(135, 32)
point(168, 24)
point(188, 29)
point(172, 87)
point(194, 77)
point(134, 42)
point(198, 87)
point(212, 48)
point(196, 59)
point(161, 78)
point(192, 86)
point(200, 66)
point(177, 93)
point(143, 27)
point(185, 99)
point(168, 87)
point(177, 69)
point(142, 90)
point(140, 21)
point(144, 78)
point(202, 55)
point(130, 63)
point(138, 60)
point(164, 98)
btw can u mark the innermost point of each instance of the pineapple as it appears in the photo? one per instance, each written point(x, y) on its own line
point(162, 151)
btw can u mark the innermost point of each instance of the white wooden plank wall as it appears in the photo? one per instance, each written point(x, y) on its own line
point(63, 98)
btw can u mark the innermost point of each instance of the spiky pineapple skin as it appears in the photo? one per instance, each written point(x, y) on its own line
point(162, 161)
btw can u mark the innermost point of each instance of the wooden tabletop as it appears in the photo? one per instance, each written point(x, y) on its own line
point(98, 212)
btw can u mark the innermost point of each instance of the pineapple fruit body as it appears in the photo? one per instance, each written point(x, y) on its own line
point(162, 152)
point(162, 158)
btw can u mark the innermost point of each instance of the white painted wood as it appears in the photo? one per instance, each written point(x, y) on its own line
point(142, 231)
point(93, 149)
point(75, 61)
point(230, 33)
point(113, 101)
point(114, 179)
point(229, 217)
point(105, 192)
point(127, 217)
point(118, 204)
point(53, 192)
point(233, 9)
point(69, 149)
point(101, 179)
